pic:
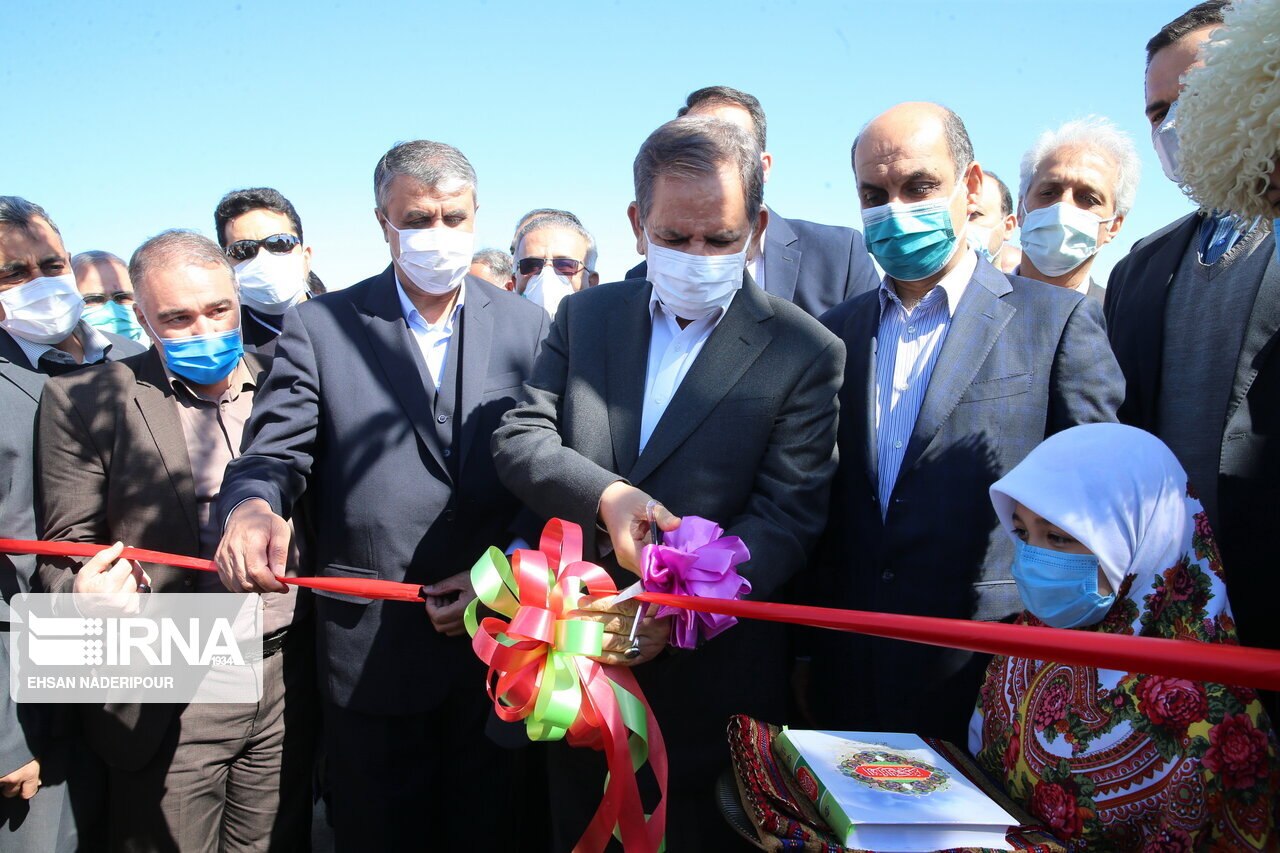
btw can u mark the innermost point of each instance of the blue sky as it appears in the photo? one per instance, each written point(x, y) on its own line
point(135, 117)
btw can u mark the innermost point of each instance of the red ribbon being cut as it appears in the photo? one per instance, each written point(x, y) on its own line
point(1213, 662)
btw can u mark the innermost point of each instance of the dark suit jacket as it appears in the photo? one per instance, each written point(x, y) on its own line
point(815, 267)
point(747, 441)
point(347, 415)
point(1249, 464)
point(114, 467)
point(1022, 360)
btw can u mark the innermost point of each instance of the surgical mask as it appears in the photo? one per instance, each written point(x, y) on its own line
point(114, 318)
point(912, 241)
point(693, 286)
point(1165, 139)
point(203, 359)
point(547, 288)
point(1061, 590)
point(272, 283)
point(1060, 237)
point(436, 260)
point(979, 239)
point(42, 311)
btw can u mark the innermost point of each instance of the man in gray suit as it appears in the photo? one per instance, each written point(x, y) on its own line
point(955, 372)
point(813, 266)
point(714, 398)
point(39, 304)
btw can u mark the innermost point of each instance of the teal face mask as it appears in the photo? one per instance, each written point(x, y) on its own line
point(911, 241)
point(115, 318)
point(1060, 589)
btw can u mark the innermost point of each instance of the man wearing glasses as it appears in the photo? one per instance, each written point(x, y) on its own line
point(555, 256)
point(261, 232)
point(103, 281)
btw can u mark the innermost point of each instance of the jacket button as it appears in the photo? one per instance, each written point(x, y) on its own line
point(449, 514)
point(887, 576)
point(441, 418)
point(447, 453)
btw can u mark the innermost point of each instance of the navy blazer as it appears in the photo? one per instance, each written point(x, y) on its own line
point(815, 267)
point(1249, 461)
point(346, 416)
point(1021, 361)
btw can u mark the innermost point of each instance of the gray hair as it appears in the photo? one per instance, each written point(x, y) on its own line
point(95, 258)
point(495, 259)
point(694, 147)
point(439, 166)
point(19, 212)
point(1095, 133)
point(567, 221)
point(172, 248)
point(959, 146)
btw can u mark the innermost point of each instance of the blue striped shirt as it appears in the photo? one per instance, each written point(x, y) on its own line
point(906, 351)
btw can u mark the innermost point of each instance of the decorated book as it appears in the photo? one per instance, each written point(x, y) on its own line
point(891, 793)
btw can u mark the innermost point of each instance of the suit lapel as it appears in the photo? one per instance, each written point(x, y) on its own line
point(397, 352)
point(1161, 259)
point(626, 362)
point(30, 382)
point(733, 346)
point(978, 321)
point(1260, 334)
point(473, 366)
point(860, 334)
point(154, 399)
point(781, 258)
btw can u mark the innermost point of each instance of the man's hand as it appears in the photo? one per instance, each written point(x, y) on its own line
point(446, 601)
point(105, 574)
point(617, 619)
point(624, 513)
point(254, 549)
point(23, 782)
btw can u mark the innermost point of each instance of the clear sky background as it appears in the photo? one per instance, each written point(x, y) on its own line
point(128, 118)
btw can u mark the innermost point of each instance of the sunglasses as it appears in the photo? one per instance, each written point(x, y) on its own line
point(122, 297)
point(564, 266)
point(276, 244)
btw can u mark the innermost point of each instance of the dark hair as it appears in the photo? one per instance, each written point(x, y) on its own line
point(1006, 200)
point(959, 145)
point(1206, 14)
point(239, 202)
point(17, 211)
point(696, 146)
point(725, 95)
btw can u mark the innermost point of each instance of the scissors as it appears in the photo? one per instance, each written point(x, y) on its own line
point(655, 538)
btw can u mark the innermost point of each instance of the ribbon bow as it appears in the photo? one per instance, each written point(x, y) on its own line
point(696, 559)
point(541, 671)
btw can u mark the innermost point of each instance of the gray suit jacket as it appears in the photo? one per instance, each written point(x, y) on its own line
point(748, 441)
point(813, 266)
point(1022, 360)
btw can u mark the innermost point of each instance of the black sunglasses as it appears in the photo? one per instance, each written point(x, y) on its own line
point(564, 266)
point(277, 244)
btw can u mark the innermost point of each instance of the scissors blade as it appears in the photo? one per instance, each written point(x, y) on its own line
point(629, 593)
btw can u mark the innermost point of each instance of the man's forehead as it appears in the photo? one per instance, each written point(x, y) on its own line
point(36, 240)
point(1078, 163)
point(258, 223)
point(552, 239)
point(410, 192)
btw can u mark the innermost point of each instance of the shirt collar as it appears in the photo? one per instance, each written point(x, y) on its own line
point(96, 346)
point(415, 318)
point(950, 289)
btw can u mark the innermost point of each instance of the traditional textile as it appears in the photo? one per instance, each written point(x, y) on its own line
point(1125, 761)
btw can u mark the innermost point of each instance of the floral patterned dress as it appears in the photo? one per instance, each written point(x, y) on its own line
point(1124, 761)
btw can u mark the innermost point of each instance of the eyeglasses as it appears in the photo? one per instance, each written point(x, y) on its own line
point(564, 266)
point(276, 244)
point(121, 297)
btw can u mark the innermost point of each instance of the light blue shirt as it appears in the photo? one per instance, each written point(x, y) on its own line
point(906, 351)
point(94, 342)
point(672, 351)
point(433, 338)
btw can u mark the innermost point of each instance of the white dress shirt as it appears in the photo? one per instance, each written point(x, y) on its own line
point(94, 342)
point(433, 338)
point(907, 350)
point(672, 351)
point(755, 266)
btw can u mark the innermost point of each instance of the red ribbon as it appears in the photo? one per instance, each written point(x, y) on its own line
point(1213, 662)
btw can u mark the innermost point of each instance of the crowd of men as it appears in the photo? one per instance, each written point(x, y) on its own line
point(210, 399)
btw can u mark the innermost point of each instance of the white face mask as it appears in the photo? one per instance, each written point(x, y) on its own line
point(44, 310)
point(1060, 237)
point(547, 288)
point(1164, 137)
point(272, 283)
point(979, 237)
point(693, 286)
point(436, 260)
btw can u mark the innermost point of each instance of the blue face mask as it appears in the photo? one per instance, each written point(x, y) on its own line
point(204, 359)
point(115, 318)
point(1061, 590)
point(911, 241)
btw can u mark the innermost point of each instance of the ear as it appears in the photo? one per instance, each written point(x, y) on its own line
point(637, 227)
point(306, 260)
point(766, 161)
point(1020, 212)
point(146, 327)
point(593, 279)
point(1010, 225)
point(762, 222)
point(973, 178)
point(1109, 233)
point(382, 223)
point(511, 283)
